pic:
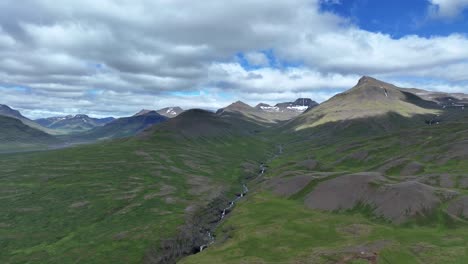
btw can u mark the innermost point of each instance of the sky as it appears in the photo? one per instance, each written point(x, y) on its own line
point(115, 57)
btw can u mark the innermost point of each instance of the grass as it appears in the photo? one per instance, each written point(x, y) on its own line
point(104, 203)
point(268, 229)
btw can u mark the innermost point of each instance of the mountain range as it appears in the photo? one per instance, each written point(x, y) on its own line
point(73, 123)
point(376, 174)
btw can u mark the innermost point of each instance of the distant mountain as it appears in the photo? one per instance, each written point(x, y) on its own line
point(167, 111)
point(369, 98)
point(9, 112)
point(298, 106)
point(445, 100)
point(170, 111)
point(15, 135)
point(73, 123)
point(201, 123)
point(123, 127)
point(268, 114)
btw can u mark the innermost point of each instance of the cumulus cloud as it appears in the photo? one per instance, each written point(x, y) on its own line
point(114, 57)
point(447, 8)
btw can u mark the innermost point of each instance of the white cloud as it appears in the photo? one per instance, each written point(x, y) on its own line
point(447, 8)
point(136, 52)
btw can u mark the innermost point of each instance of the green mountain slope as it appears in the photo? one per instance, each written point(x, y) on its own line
point(369, 98)
point(367, 184)
point(115, 201)
point(16, 136)
point(338, 194)
point(9, 112)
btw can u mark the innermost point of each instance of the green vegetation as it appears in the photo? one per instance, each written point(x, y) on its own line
point(109, 202)
point(268, 229)
point(16, 136)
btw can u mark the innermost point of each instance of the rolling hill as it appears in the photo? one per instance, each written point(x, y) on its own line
point(16, 136)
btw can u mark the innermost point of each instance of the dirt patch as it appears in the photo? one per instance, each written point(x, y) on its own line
point(396, 202)
point(367, 252)
point(309, 164)
point(289, 186)
point(459, 207)
point(125, 197)
point(463, 182)
point(128, 208)
point(355, 230)
point(412, 168)
point(359, 155)
point(421, 248)
point(347, 147)
point(446, 181)
point(163, 191)
point(176, 170)
point(120, 236)
point(200, 184)
point(4, 225)
point(391, 164)
point(170, 200)
point(458, 150)
point(144, 155)
point(79, 204)
point(28, 209)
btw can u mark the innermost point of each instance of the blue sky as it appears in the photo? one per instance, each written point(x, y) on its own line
point(115, 57)
point(398, 17)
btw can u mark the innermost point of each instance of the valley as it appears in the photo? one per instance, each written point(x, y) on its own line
point(360, 178)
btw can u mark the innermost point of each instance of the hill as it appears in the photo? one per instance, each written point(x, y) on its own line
point(118, 201)
point(7, 111)
point(16, 136)
point(201, 123)
point(70, 123)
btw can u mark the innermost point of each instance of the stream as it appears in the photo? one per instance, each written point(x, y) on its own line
point(232, 203)
point(225, 211)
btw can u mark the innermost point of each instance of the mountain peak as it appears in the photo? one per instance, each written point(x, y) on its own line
point(170, 112)
point(5, 110)
point(143, 112)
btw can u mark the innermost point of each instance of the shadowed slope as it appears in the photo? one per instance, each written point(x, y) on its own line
point(14, 135)
point(201, 123)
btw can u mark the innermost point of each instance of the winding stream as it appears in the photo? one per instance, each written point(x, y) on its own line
point(226, 210)
point(233, 202)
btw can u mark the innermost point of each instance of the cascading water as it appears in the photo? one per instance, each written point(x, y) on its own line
point(223, 214)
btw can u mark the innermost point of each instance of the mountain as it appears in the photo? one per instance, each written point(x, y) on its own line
point(72, 123)
point(170, 111)
point(196, 123)
point(123, 127)
point(267, 114)
point(370, 98)
point(7, 111)
point(298, 106)
point(15, 136)
point(446, 100)
point(167, 111)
